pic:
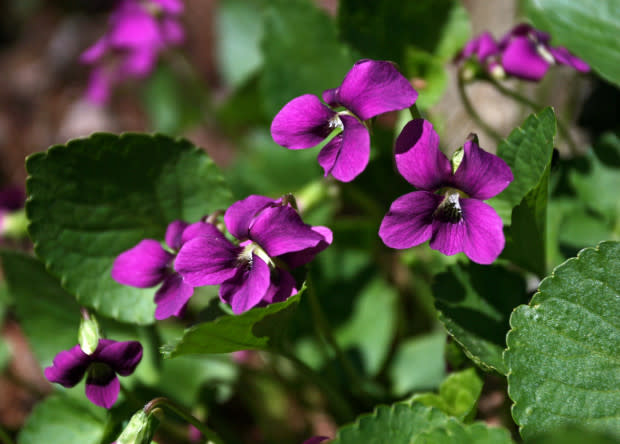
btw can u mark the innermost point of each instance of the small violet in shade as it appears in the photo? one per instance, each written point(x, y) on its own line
point(526, 54)
point(138, 31)
point(101, 367)
point(448, 208)
point(12, 198)
point(272, 240)
point(149, 264)
point(485, 50)
point(370, 88)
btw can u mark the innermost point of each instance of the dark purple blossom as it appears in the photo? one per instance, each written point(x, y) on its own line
point(448, 208)
point(149, 264)
point(138, 31)
point(526, 54)
point(101, 367)
point(272, 240)
point(370, 88)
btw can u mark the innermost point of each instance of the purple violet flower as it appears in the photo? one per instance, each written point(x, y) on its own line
point(485, 50)
point(149, 264)
point(102, 384)
point(370, 88)
point(272, 240)
point(526, 54)
point(138, 31)
point(448, 209)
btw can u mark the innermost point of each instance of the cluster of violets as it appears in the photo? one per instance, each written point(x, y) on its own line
point(139, 30)
point(251, 255)
point(524, 52)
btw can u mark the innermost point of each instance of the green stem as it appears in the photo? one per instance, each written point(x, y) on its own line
point(564, 132)
point(180, 411)
point(342, 409)
point(473, 113)
point(415, 112)
point(5, 438)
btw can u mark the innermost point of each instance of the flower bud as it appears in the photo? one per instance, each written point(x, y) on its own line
point(13, 224)
point(89, 333)
point(140, 429)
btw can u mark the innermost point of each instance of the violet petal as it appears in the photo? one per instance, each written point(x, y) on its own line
point(348, 158)
point(133, 27)
point(281, 288)
point(481, 175)
point(299, 258)
point(248, 287)
point(302, 123)
point(240, 215)
point(173, 7)
point(121, 357)
point(484, 240)
point(279, 230)
point(174, 232)
point(330, 97)
point(172, 297)
point(142, 266)
point(200, 229)
point(207, 260)
point(409, 221)
point(375, 87)
point(486, 46)
point(563, 56)
point(520, 59)
point(418, 158)
point(99, 86)
point(172, 31)
point(95, 52)
point(102, 387)
point(448, 237)
point(68, 367)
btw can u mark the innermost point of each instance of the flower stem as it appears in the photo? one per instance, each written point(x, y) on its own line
point(180, 411)
point(415, 112)
point(565, 133)
point(473, 113)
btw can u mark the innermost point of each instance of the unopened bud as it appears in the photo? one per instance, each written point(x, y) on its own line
point(89, 333)
point(140, 429)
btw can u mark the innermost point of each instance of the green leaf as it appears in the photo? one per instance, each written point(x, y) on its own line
point(587, 28)
point(474, 303)
point(257, 329)
point(563, 347)
point(302, 53)
point(418, 364)
point(372, 325)
point(60, 420)
point(382, 30)
point(41, 305)
point(239, 30)
point(458, 394)
point(572, 435)
point(526, 238)
point(527, 151)
point(94, 198)
point(413, 424)
point(598, 188)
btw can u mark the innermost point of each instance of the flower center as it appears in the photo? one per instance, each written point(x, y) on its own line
point(449, 210)
point(245, 257)
point(544, 53)
point(335, 122)
point(99, 373)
